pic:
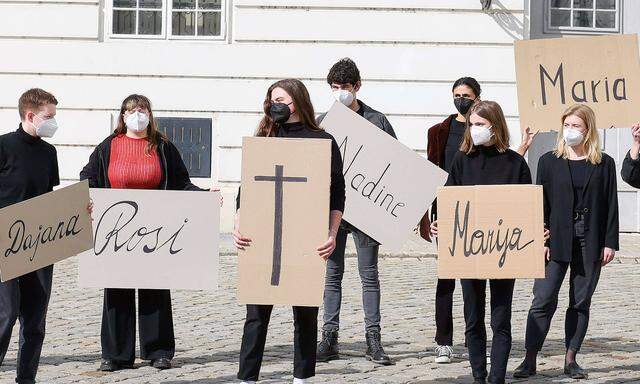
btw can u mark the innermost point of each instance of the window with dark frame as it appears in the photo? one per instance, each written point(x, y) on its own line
point(598, 16)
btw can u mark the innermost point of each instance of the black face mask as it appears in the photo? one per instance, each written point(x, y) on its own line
point(280, 112)
point(463, 104)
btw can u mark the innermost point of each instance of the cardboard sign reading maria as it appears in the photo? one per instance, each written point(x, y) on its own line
point(600, 71)
point(389, 186)
point(44, 230)
point(153, 239)
point(284, 210)
point(490, 232)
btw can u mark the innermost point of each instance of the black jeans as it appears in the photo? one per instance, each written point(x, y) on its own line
point(305, 337)
point(155, 318)
point(474, 293)
point(444, 311)
point(367, 267)
point(583, 281)
point(25, 298)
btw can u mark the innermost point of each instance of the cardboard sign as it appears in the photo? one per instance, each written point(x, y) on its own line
point(389, 186)
point(600, 71)
point(490, 232)
point(153, 239)
point(284, 210)
point(43, 230)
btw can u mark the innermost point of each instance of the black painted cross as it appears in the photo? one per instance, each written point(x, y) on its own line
point(279, 181)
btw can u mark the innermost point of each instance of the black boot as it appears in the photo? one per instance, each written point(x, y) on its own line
point(525, 370)
point(375, 352)
point(328, 347)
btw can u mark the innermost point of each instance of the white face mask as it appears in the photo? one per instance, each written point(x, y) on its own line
point(572, 136)
point(137, 121)
point(47, 128)
point(480, 134)
point(344, 96)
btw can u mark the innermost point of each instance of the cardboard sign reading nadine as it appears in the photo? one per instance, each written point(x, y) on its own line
point(600, 71)
point(389, 186)
point(284, 210)
point(44, 230)
point(490, 232)
point(153, 239)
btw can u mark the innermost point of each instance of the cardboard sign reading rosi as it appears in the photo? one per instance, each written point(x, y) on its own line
point(600, 71)
point(284, 210)
point(389, 187)
point(482, 236)
point(153, 239)
point(44, 230)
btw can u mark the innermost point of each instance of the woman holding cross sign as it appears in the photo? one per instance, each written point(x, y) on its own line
point(288, 112)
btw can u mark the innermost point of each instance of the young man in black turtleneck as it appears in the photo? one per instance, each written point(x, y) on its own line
point(28, 168)
point(344, 79)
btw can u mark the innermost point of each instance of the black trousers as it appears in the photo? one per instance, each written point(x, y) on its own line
point(474, 294)
point(25, 298)
point(583, 280)
point(444, 311)
point(118, 334)
point(305, 337)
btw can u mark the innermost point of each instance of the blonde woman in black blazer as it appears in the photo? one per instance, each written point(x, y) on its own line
point(581, 211)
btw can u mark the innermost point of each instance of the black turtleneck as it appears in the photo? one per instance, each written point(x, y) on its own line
point(302, 131)
point(28, 167)
point(488, 166)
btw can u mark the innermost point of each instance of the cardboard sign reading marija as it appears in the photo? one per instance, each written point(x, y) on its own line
point(153, 239)
point(284, 210)
point(482, 236)
point(600, 71)
point(389, 186)
point(44, 230)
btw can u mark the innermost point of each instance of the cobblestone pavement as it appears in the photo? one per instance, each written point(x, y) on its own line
point(208, 330)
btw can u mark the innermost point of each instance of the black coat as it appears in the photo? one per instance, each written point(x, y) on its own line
point(174, 173)
point(631, 171)
point(600, 201)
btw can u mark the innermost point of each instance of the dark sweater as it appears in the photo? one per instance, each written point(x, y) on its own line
point(488, 166)
point(174, 173)
point(301, 131)
point(28, 167)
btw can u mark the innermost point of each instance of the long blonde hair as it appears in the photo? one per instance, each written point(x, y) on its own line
point(491, 111)
point(592, 139)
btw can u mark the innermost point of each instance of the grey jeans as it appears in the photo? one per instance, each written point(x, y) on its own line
point(367, 250)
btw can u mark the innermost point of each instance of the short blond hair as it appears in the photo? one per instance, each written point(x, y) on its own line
point(592, 139)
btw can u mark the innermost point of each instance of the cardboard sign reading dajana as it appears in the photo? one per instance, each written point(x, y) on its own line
point(284, 210)
point(389, 187)
point(600, 71)
point(153, 239)
point(490, 232)
point(44, 230)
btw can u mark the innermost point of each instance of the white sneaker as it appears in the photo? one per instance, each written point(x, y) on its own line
point(444, 354)
point(299, 381)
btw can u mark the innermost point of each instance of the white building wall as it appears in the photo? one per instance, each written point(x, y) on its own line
point(409, 53)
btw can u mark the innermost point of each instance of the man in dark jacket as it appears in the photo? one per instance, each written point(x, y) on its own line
point(28, 168)
point(344, 79)
point(631, 165)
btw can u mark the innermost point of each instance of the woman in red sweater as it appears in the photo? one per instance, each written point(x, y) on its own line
point(137, 156)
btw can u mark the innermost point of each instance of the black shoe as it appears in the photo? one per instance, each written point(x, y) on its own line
point(108, 366)
point(479, 381)
point(375, 352)
point(328, 347)
point(524, 370)
point(574, 371)
point(161, 363)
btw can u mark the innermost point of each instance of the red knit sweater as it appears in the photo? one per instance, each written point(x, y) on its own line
point(130, 167)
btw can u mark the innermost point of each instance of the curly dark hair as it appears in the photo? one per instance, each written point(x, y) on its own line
point(344, 71)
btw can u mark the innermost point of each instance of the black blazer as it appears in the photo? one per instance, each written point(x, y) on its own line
point(631, 171)
point(174, 173)
point(600, 199)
